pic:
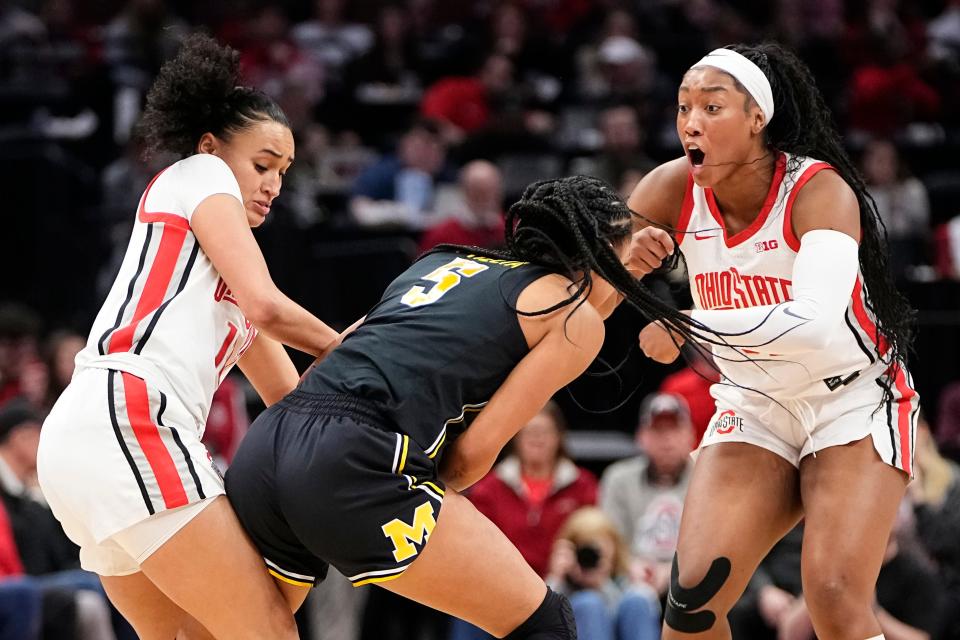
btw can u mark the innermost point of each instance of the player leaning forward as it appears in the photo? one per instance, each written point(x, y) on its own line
point(815, 412)
point(120, 459)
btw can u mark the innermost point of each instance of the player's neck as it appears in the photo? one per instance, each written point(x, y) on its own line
point(741, 195)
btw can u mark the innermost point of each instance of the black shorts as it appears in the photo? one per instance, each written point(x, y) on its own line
point(320, 481)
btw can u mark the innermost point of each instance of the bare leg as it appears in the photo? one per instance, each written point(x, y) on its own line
point(850, 498)
point(742, 499)
point(211, 570)
point(470, 570)
point(152, 614)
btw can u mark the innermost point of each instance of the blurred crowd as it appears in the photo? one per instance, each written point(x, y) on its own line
point(418, 122)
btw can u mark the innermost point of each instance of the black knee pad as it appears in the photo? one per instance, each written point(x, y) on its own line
point(553, 620)
point(683, 602)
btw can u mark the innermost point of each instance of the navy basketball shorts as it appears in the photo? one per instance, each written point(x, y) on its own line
point(319, 480)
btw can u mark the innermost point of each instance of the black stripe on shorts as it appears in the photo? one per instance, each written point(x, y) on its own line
point(111, 375)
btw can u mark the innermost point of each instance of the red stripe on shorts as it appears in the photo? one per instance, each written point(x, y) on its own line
point(148, 437)
point(904, 406)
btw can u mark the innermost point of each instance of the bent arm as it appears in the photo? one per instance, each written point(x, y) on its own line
point(221, 227)
point(550, 365)
point(826, 219)
point(824, 275)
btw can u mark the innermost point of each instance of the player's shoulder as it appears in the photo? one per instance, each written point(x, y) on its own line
point(659, 194)
point(200, 166)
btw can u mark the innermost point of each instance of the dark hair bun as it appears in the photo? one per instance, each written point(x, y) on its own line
point(190, 96)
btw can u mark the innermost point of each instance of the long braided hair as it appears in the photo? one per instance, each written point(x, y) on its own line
point(572, 226)
point(803, 126)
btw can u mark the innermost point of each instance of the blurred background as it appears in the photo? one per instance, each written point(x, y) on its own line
point(419, 122)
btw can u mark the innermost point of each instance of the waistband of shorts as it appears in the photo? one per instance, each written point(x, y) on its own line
point(337, 404)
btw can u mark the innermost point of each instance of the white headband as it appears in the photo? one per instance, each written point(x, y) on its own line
point(746, 73)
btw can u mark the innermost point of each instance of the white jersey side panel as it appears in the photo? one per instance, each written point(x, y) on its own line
point(755, 268)
point(169, 317)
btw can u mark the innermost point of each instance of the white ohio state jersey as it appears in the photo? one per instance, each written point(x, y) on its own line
point(169, 317)
point(755, 268)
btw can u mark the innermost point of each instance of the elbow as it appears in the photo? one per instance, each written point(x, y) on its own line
point(264, 310)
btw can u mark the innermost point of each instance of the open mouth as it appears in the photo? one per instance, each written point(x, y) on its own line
point(696, 156)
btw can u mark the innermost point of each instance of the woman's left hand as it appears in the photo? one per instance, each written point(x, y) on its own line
point(657, 343)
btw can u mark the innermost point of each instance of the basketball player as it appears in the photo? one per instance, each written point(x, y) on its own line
point(815, 413)
point(120, 458)
point(361, 466)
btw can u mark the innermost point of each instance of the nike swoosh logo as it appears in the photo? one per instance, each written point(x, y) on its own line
point(697, 236)
point(787, 311)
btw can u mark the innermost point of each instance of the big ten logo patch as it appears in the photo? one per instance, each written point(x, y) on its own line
point(404, 536)
point(726, 422)
point(766, 245)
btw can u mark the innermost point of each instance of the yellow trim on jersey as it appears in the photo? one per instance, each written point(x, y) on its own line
point(284, 578)
point(427, 483)
point(379, 579)
point(443, 438)
point(403, 455)
point(510, 264)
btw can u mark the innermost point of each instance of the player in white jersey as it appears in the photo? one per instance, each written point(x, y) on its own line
point(120, 460)
point(815, 411)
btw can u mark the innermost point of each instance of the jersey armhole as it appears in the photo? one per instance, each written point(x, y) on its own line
point(788, 234)
point(172, 219)
point(686, 210)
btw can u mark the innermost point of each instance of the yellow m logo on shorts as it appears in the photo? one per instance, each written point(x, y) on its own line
point(404, 535)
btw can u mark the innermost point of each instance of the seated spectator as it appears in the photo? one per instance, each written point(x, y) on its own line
point(227, 421)
point(530, 494)
point(478, 220)
point(61, 350)
point(399, 188)
point(74, 603)
point(622, 149)
point(465, 104)
point(392, 66)
point(947, 434)
point(589, 564)
point(935, 493)
point(910, 601)
point(693, 383)
point(330, 40)
point(19, 352)
point(644, 495)
point(947, 239)
point(774, 594)
point(902, 203)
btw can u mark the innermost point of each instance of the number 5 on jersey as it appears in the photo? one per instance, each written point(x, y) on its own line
point(447, 277)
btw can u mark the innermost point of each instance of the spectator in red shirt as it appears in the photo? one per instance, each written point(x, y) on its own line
point(479, 221)
point(464, 104)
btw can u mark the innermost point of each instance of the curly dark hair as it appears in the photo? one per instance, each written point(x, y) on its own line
point(199, 91)
point(803, 126)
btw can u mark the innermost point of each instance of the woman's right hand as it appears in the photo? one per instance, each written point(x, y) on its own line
point(648, 249)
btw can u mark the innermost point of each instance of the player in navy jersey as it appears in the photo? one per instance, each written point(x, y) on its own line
point(121, 460)
point(361, 466)
point(815, 413)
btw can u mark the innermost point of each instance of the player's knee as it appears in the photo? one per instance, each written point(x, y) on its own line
point(692, 606)
point(553, 620)
point(833, 600)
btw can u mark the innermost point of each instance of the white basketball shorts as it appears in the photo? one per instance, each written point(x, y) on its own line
point(122, 467)
point(796, 428)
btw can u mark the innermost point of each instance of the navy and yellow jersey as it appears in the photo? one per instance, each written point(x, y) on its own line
point(435, 348)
